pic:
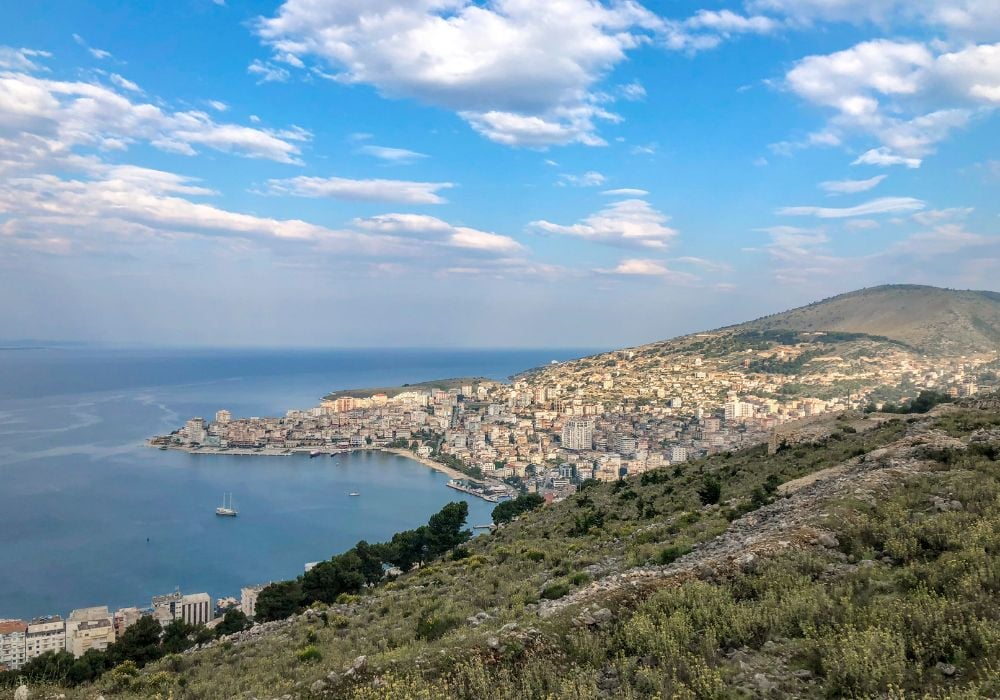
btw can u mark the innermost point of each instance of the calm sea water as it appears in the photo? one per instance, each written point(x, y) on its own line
point(90, 516)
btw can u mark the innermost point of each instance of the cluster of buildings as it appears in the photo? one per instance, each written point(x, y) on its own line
point(98, 627)
point(605, 416)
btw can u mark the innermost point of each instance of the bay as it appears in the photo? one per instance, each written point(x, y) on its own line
point(91, 516)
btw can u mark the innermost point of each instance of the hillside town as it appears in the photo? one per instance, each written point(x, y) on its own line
point(606, 416)
point(546, 431)
point(96, 628)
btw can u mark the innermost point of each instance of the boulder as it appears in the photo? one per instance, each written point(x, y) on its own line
point(827, 540)
point(946, 669)
point(22, 693)
point(318, 686)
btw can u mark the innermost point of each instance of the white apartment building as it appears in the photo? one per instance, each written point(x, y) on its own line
point(578, 434)
point(12, 643)
point(44, 634)
point(248, 599)
point(194, 609)
point(126, 617)
point(89, 628)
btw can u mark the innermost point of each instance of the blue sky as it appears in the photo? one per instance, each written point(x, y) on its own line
point(505, 173)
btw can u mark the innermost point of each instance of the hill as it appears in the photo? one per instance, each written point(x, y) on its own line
point(928, 319)
point(391, 391)
point(861, 564)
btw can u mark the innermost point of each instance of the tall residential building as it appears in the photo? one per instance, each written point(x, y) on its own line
point(194, 430)
point(248, 599)
point(89, 628)
point(126, 617)
point(44, 634)
point(578, 434)
point(194, 609)
point(12, 643)
point(223, 416)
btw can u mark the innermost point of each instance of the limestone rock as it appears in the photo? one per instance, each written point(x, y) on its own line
point(22, 693)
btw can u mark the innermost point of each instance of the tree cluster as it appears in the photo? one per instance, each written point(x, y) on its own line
point(142, 643)
point(365, 564)
point(508, 510)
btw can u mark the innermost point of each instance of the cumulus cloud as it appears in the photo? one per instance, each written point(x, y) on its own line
point(374, 190)
point(884, 87)
point(521, 73)
point(61, 115)
point(117, 203)
point(851, 186)
point(628, 223)
point(883, 205)
point(21, 59)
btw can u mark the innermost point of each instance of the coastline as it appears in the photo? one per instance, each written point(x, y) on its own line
point(288, 452)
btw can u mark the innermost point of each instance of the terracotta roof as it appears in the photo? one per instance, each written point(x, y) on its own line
point(8, 626)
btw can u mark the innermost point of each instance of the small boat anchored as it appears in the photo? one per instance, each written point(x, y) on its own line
point(354, 493)
point(228, 508)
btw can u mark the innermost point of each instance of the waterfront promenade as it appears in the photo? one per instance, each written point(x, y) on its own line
point(288, 452)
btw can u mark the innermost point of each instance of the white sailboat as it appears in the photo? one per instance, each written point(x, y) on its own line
point(227, 509)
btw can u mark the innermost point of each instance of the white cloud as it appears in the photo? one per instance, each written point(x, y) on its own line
point(218, 106)
point(884, 157)
point(861, 224)
point(591, 178)
point(521, 73)
point(56, 116)
point(639, 266)
point(883, 205)
point(643, 150)
point(392, 155)
point(707, 29)
point(851, 186)
point(961, 18)
point(625, 192)
point(633, 91)
point(401, 191)
point(21, 59)
point(435, 230)
point(905, 94)
point(124, 83)
point(118, 203)
point(728, 22)
point(268, 72)
point(99, 54)
point(645, 267)
point(629, 223)
point(707, 265)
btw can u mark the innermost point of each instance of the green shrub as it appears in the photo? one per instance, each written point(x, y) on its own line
point(555, 591)
point(308, 654)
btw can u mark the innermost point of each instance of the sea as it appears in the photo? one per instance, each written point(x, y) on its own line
point(89, 515)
